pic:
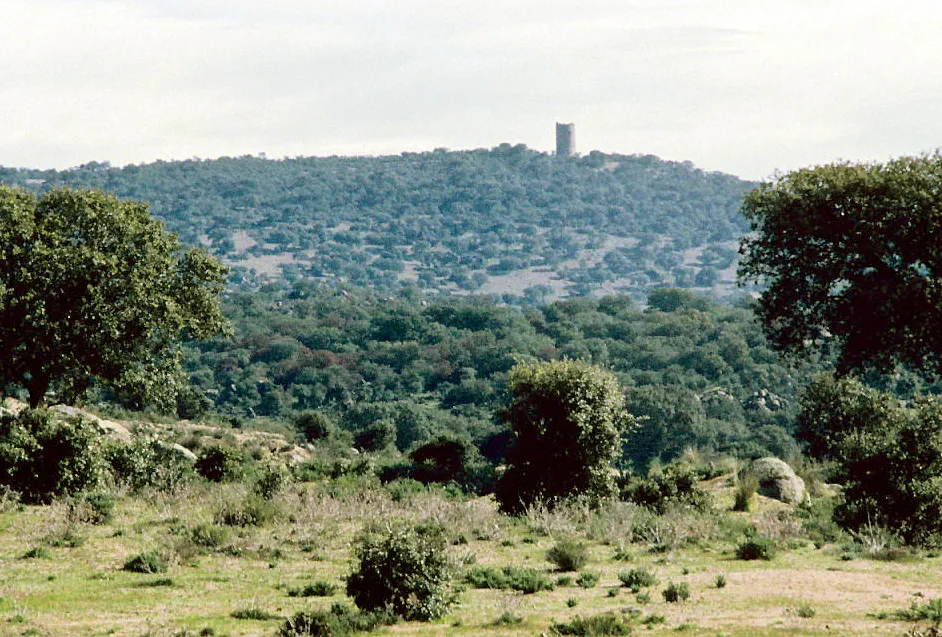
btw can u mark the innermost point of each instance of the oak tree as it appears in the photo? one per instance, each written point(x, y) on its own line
point(93, 291)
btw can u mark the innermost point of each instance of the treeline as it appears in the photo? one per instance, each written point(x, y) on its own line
point(443, 221)
point(400, 370)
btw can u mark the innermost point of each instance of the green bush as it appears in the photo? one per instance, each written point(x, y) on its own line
point(588, 579)
point(314, 589)
point(637, 578)
point(406, 570)
point(674, 484)
point(313, 425)
point(679, 592)
point(756, 548)
point(209, 536)
point(597, 625)
point(339, 621)
point(746, 488)
point(147, 562)
point(100, 507)
point(253, 510)
point(273, 476)
point(253, 612)
point(220, 464)
point(42, 456)
point(148, 464)
point(524, 580)
point(568, 555)
point(720, 580)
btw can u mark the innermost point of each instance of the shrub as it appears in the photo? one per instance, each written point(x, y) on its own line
point(567, 418)
point(253, 612)
point(720, 580)
point(314, 589)
point(679, 592)
point(588, 579)
point(37, 552)
point(604, 624)
point(406, 570)
point(756, 548)
point(637, 578)
point(220, 464)
point(674, 484)
point(272, 477)
point(42, 456)
point(100, 507)
point(209, 536)
point(568, 555)
point(147, 562)
point(745, 491)
point(339, 621)
point(524, 580)
point(148, 463)
point(314, 425)
point(253, 510)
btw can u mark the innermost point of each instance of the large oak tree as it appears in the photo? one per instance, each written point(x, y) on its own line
point(851, 255)
point(95, 291)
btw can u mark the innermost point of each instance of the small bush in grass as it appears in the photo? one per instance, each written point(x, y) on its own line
point(637, 578)
point(100, 507)
point(597, 625)
point(508, 619)
point(572, 602)
point(253, 510)
point(720, 580)
point(272, 477)
point(745, 491)
point(405, 570)
point(147, 562)
point(588, 579)
point(148, 464)
point(253, 612)
point(931, 611)
point(564, 580)
point(756, 548)
point(524, 580)
point(220, 464)
point(209, 536)
point(653, 620)
point(37, 552)
point(805, 611)
point(568, 555)
point(314, 589)
point(340, 621)
point(678, 592)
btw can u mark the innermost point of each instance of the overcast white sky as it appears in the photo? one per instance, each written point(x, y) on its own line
point(742, 86)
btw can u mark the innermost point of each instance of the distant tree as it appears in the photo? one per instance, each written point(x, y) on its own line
point(850, 255)
point(93, 290)
point(566, 418)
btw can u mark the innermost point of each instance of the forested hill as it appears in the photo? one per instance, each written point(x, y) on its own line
point(503, 221)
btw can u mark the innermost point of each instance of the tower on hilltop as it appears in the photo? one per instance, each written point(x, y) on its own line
point(565, 140)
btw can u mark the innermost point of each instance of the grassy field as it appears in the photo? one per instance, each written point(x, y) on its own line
point(60, 575)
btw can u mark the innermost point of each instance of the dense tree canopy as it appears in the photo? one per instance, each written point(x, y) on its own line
point(93, 290)
point(852, 256)
point(566, 418)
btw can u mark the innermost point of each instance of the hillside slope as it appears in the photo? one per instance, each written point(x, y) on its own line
point(503, 221)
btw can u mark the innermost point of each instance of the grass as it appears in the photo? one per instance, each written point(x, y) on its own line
point(90, 593)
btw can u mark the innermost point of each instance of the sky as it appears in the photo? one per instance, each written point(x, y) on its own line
point(748, 87)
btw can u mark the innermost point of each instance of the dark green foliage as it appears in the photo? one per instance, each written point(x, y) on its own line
point(272, 477)
point(588, 579)
point(147, 562)
point(449, 459)
point(637, 578)
point(594, 626)
point(220, 464)
point(568, 555)
point(524, 580)
point(43, 455)
point(314, 589)
point(148, 463)
point(376, 436)
point(566, 418)
point(848, 255)
point(100, 507)
point(95, 291)
point(508, 619)
point(756, 548)
point(37, 552)
point(674, 484)
point(676, 592)
point(313, 425)
point(253, 612)
point(930, 611)
point(340, 621)
point(405, 570)
point(720, 580)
